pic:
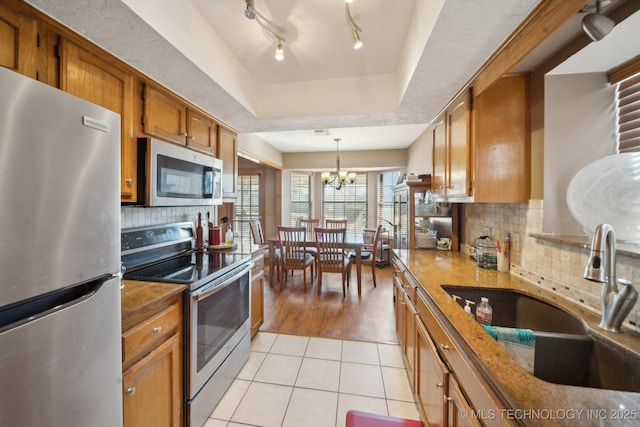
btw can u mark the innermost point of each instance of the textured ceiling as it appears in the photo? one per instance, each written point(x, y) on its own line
point(417, 54)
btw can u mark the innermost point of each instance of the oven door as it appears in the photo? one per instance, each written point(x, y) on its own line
point(218, 320)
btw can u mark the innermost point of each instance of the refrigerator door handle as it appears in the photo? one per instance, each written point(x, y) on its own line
point(35, 308)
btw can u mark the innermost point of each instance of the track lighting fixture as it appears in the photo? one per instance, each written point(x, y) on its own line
point(597, 25)
point(251, 13)
point(355, 30)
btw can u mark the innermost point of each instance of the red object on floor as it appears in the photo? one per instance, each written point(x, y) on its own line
point(364, 419)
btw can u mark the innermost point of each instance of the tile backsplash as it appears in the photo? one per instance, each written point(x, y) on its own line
point(143, 216)
point(554, 266)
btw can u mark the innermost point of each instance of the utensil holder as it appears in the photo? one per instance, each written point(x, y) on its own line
point(503, 262)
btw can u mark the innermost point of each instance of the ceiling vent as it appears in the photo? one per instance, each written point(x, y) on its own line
point(320, 132)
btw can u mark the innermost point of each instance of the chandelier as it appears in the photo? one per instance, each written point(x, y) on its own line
point(340, 178)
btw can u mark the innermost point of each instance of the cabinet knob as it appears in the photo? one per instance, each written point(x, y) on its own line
point(185, 134)
point(444, 347)
point(156, 330)
point(129, 181)
point(191, 137)
point(447, 399)
point(439, 385)
point(130, 391)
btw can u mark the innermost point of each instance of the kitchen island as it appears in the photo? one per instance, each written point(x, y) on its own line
point(485, 375)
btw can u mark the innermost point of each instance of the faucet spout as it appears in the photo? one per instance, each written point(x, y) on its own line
point(601, 267)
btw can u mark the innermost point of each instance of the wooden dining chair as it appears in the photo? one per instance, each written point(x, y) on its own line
point(331, 255)
point(258, 239)
point(293, 253)
point(335, 223)
point(309, 224)
point(369, 253)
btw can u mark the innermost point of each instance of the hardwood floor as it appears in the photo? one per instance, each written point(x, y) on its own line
point(368, 317)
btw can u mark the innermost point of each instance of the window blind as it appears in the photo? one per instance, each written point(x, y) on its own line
point(629, 114)
point(300, 197)
point(349, 202)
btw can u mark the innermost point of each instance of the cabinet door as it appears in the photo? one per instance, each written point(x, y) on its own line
point(457, 405)
point(409, 346)
point(201, 133)
point(228, 153)
point(153, 388)
point(18, 40)
point(431, 379)
point(84, 74)
point(165, 116)
point(459, 129)
point(257, 294)
point(399, 306)
point(502, 169)
point(439, 177)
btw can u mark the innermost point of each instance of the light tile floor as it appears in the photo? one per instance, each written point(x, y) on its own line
point(312, 382)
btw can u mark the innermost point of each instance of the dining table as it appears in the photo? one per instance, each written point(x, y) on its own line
point(353, 241)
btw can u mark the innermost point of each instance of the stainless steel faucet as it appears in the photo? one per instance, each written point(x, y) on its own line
point(616, 303)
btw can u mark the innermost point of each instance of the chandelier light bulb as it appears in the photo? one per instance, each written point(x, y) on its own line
point(279, 52)
point(348, 1)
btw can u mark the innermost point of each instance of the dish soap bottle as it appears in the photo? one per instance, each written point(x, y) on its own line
point(467, 308)
point(484, 312)
point(228, 236)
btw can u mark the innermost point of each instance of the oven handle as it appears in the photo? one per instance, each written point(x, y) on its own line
point(212, 289)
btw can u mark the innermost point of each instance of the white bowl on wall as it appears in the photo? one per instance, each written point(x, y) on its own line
point(608, 191)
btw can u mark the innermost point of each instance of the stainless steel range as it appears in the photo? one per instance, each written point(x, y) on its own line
point(217, 307)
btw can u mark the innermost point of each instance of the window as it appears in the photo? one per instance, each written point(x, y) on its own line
point(300, 197)
point(247, 206)
point(629, 114)
point(387, 182)
point(349, 202)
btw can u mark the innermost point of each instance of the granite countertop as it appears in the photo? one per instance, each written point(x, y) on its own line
point(139, 297)
point(435, 268)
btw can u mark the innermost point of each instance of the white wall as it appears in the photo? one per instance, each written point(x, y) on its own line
point(579, 128)
point(420, 154)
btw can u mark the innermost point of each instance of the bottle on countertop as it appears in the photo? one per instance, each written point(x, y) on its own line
point(199, 231)
point(467, 308)
point(228, 236)
point(484, 312)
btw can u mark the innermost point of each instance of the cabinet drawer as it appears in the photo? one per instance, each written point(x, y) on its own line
point(150, 332)
point(258, 265)
point(440, 338)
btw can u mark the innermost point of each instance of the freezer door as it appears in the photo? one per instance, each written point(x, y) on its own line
point(60, 187)
point(63, 369)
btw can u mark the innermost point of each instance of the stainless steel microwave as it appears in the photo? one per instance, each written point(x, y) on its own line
point(178, 176)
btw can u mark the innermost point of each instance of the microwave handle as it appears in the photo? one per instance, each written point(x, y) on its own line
point(212, 289)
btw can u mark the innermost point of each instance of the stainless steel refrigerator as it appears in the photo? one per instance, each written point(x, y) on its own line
point(60, 351)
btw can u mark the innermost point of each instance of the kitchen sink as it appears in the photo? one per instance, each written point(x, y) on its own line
point(514, 309)
point(565, 352)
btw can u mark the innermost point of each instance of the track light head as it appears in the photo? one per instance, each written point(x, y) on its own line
point(357, 43)
point(596, 25)
point(250, 11)
point(279, 52)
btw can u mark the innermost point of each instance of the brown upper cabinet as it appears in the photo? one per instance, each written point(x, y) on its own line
point(26, 42)
point(201, 132)
point(228, 153)
point(451, 149)
point(165, 115)
point(97, 80)
point(482, 149)
point(502, 141)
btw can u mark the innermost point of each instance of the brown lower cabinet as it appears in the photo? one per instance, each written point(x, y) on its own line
point(152, 366)
point(257, 291)
point(428, 352)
